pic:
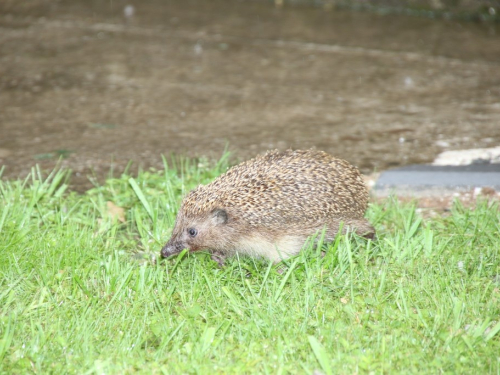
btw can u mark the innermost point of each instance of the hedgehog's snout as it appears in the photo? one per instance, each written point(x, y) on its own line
point(171, 249)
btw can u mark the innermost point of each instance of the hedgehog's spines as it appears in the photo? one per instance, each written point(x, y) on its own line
point(277, 186)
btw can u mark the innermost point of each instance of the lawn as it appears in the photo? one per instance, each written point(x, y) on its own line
point(82, 289)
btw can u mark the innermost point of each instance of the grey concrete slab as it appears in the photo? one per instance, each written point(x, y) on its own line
point(433, 180)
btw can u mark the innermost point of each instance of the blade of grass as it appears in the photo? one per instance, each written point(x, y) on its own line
point(285, 279)
point(320, 354)
point(269, 267)
point(234, 303)
point(8, 335)
point(141, 197)
point(207, 338)
point(493, 331)
point(181, 255)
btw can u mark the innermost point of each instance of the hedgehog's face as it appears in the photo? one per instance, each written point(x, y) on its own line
point(198, 233)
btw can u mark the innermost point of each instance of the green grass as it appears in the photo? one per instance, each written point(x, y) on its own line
point(80, 291)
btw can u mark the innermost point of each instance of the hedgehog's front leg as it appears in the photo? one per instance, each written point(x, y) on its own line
point(219, 257)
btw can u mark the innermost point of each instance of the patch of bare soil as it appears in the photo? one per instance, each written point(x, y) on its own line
point(81, 81)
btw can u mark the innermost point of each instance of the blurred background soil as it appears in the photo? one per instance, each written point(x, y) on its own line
point(102, 83)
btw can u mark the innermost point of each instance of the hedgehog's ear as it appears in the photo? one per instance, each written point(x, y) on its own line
point(219, 216)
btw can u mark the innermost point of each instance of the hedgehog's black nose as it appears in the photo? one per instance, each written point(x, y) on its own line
point(167, 251)
point(171, 249)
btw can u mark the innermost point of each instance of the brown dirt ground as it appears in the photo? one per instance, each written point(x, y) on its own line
point(81, 81)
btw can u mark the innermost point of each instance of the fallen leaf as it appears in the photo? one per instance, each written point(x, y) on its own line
point(115, 211)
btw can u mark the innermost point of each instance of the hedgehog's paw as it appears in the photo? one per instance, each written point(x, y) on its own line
point(359, 226)
point(219, 257)
point(365, 229)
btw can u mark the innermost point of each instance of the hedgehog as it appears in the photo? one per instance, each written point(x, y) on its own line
point(269, 206)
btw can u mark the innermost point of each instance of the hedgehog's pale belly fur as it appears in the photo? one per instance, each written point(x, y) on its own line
point(283, 248)
point(268, 206)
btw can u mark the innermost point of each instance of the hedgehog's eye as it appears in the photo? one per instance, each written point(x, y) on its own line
point(192, 232)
